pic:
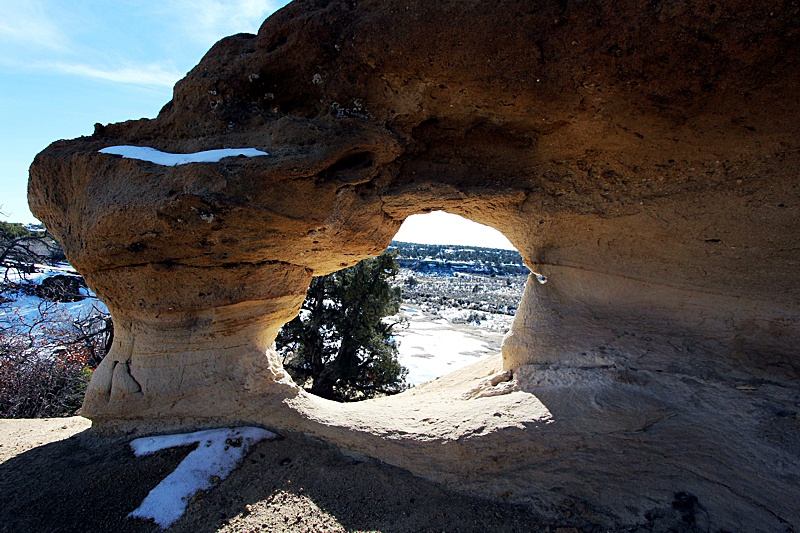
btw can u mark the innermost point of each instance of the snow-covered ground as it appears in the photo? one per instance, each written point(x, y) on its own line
point(436, 341)
point(28, 309)
point(454, 319)
point(433, 345)
point(481, 320)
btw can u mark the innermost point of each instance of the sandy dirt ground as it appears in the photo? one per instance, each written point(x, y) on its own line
point(55, 477)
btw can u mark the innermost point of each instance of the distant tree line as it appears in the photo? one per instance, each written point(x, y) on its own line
point(445, 252)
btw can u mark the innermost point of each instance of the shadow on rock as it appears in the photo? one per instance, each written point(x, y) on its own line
point(303, 484)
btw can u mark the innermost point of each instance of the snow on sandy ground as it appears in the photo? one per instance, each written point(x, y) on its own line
point(218, 452)
point(28, 309)
point(152, 155)
point(432, 346)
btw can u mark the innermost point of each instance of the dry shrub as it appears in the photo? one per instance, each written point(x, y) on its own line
point(46, 362)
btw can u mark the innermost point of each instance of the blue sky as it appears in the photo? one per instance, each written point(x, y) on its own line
point(66, 65)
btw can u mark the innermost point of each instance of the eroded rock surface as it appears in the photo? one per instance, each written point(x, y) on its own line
point(643, 156)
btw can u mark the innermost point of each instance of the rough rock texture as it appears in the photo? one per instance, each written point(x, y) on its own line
point(643, 156)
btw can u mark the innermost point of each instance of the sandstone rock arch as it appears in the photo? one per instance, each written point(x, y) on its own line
point(642, 156)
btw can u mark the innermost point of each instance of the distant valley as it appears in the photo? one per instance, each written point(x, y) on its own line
point(459, 303)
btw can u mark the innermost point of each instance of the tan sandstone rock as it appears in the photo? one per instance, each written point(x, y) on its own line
point(642, 156)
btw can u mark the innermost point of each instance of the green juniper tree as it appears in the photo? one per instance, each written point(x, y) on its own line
point(339, 341)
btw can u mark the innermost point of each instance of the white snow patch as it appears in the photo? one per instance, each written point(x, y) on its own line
point(170, 160)
point(434, 343)
point(218, 452)
point(429, 352)
point(30, 309)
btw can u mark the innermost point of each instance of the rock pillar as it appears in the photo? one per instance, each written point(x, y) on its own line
point(182, 352)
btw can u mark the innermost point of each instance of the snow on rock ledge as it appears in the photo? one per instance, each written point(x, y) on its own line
point(152, 155)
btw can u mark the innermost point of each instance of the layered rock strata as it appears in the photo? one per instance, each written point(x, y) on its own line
point(643, 156)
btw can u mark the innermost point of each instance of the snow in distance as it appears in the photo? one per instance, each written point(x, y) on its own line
point(29, 308)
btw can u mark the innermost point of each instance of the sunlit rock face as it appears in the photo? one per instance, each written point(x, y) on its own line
point(642, 156)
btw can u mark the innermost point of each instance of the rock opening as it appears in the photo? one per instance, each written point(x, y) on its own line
point(461, 288)
point(643, 161)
